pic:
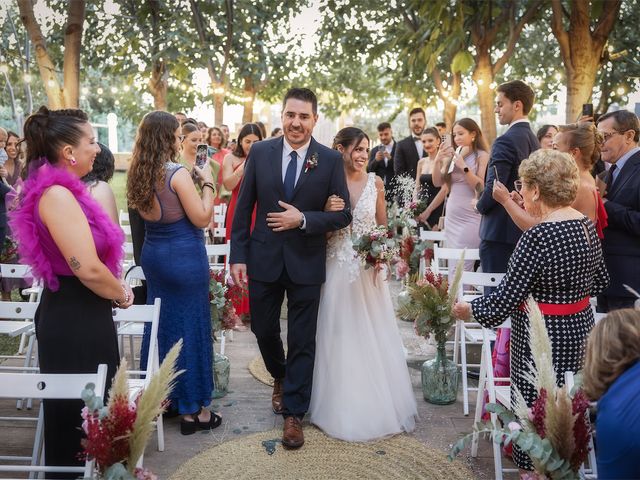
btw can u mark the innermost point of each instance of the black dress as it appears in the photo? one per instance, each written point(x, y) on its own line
point(429, 191)
point(555, 262)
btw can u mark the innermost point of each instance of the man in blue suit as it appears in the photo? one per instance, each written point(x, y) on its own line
point(498, 233)
point(288, 181)
point(621, 244)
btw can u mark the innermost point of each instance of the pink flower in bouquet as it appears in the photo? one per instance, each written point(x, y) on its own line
point(144, 474)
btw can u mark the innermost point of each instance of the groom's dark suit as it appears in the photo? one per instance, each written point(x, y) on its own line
point(292, 261)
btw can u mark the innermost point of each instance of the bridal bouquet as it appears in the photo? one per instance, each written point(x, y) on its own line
point(555, 430)
point(118, 432)
point(222, 296)
point(430, 302)
point(417, 207)
point(377, 247)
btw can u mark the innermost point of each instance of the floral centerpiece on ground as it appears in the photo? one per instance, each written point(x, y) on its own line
point(412, 251)
point(429, 304)
point(376, 247)
point(222, 295)
point(555, 430)
point(117, 433)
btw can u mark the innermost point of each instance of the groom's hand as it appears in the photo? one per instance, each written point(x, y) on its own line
point(239, 274)
point(288, 220)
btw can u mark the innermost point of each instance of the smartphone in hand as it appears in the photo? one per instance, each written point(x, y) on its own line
point(587, 109)
point(495, 174)
point(201, 154)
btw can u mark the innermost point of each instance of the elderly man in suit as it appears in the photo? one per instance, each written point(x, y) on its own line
point(381, 158)
point(621, 244)
point(410, 149)
point(498, 233)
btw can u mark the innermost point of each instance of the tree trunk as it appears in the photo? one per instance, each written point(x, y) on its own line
point(45, 65)
point(450, 110)
point(580, 82)
point(158, 84)
point(483, 76)
point(72, 49)
point(218, 103)
point(250, 97)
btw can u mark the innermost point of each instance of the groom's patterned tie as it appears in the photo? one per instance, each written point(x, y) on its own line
point(290, 176)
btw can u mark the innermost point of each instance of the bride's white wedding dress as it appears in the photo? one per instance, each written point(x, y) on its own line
point(361, 384)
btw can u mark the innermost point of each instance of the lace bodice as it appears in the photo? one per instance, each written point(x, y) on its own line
point(340, 245)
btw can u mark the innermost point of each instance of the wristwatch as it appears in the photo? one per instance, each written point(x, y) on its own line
point(466, 169)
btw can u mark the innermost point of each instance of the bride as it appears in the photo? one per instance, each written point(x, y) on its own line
point(361, 384)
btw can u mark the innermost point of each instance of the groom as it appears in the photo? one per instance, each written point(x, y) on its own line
point(288, 180)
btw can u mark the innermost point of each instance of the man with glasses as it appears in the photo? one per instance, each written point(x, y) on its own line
point(621, 244)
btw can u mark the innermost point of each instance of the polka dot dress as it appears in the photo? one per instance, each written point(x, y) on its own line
point(555, 262)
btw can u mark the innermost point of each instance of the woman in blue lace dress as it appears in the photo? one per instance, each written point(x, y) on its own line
point(174, 260)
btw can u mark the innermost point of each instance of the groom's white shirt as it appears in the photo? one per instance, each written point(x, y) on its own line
point(286, 152)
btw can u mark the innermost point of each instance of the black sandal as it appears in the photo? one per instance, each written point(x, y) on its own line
point(214, 422)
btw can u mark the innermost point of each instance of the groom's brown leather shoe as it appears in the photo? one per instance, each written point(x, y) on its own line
point(276, 396)
point(292, 436)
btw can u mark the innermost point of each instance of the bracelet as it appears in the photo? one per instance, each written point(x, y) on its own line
point(127, 297)
point(210, 185)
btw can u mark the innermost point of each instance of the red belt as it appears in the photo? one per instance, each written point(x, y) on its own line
point(560, 308)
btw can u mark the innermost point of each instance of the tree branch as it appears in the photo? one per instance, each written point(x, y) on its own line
point(560, 33)
point(605, 24)
point(514, 34)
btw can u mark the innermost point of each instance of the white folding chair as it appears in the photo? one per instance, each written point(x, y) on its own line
point(140, 315)
point(46, 386)
point(123, 217)
point(22, 272)
point(436, 238)
point(470, 333)
point(589, 470)
point(497, 394)
point(17, 319)
point(214, 252)
point(219, 218)
point(133, 277)
point(443, 257)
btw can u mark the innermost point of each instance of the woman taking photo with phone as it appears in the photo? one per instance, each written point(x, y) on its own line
point(191, 138)
point(174, 260)
point(232, 173)
point(464, 175)
point(425, 189)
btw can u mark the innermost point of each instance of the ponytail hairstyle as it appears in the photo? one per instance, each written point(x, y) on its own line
point(586, 138)
point(349, 136)
point(46, 132)
point(155, 146)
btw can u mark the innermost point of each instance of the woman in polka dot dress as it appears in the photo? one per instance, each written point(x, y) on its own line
point(559, 262)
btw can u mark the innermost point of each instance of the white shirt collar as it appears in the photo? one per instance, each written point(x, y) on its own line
point(522, 120)
point(287, 149)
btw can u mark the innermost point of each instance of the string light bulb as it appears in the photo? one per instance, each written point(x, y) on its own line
point(51, 83)
point(620, 90)
point(126, 88)
point(4, 68)
point(99, 91)
point(114, 89)
point(27, 78)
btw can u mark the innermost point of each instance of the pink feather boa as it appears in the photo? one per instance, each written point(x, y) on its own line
point(24, 223)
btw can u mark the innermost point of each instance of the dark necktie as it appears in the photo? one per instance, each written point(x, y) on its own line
point(610, 177)
point(415, 139)
point(290, 176)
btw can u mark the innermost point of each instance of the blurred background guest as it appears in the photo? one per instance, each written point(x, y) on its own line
point(582, 142)
point(70, 243)
point(98, 179)
point(4, 189)
point(464, 181)
point(181, 117)
point(215, 139)
point(425, 189)
point(203, 128)
point(164, 194)
point(232, 173)
point(10, 172)
point(262, 128)
point(621, 244)
point(442, 128)
point(381, 159)
point(276, 132)
point(191, 138)
point(612, 378)
point(558, 262)
point(546, 134)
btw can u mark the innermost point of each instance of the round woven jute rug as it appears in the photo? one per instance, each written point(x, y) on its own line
point(259, 371)
point(262, 456)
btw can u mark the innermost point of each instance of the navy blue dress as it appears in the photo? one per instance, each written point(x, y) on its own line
point(175, 265)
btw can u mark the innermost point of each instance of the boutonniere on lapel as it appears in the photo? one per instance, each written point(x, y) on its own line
point(311, 163)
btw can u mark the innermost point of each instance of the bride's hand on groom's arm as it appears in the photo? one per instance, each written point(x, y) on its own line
point(288, 220)
point(334, 204)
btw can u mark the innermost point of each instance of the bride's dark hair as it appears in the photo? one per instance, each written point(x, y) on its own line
point(349, 136)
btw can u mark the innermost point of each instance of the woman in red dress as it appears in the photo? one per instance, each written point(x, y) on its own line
point(232, 173)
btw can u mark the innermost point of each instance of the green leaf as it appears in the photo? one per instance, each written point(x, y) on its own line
point(462, 62)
